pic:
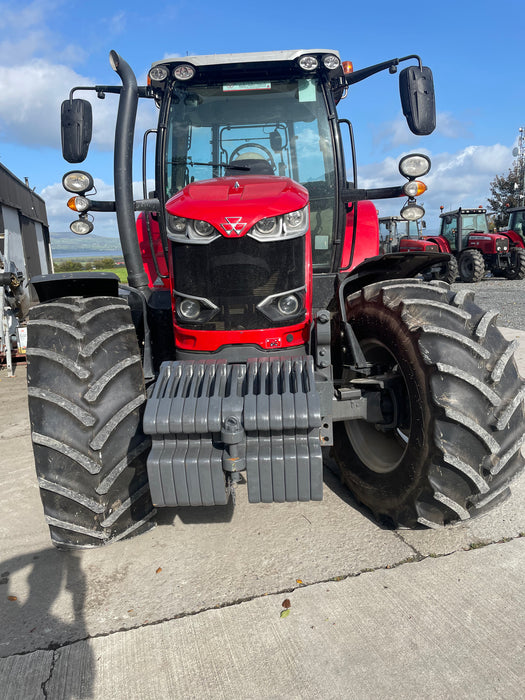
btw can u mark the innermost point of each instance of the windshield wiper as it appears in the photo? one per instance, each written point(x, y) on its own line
point(220, 165)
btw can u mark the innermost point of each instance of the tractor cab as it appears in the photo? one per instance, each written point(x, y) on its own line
point(457, 226)
point(243, 120)
point(516, 227)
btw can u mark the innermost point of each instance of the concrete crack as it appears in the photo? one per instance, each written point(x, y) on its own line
point(51, 670)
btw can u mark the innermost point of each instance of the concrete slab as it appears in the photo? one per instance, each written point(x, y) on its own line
point(191, 608)
point(193, 560)
point(441, 628)
point(23, 677)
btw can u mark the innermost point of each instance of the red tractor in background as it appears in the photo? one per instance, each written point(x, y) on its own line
point(515, 230)
point(465, 234)
point(260, 327)
point(399, 235)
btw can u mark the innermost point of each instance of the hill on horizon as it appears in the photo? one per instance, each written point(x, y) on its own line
point(67, 243)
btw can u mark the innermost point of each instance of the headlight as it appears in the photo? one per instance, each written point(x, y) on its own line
point(81, 227)
point(289, 225)
point(308, 62)
point(412, 212)
point(269, 226)
point(189, 309)
point(77, 181)
point(203, 228)
point(296, 220)
point(194, 309)
point(190, 230)
point(281, 308)
point(414, 165)
point(176, 224)
point(288, 305)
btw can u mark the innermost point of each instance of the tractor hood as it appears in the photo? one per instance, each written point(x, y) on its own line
point(250, 197)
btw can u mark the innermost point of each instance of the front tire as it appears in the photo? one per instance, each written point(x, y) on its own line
point(446, 272)
point(471, 266)
point(86, 397)
point(517, 271)
point(456, 443)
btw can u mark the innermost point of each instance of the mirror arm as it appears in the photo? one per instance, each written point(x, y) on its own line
point(102, 90)
point(356, 195)
point(138, 205)
point(364, 73)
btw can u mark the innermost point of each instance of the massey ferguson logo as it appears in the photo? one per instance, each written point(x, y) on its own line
point(233, 225)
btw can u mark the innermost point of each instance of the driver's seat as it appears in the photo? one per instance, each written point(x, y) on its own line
point(249, 166)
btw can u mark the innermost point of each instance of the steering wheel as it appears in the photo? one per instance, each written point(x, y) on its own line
point(267, 153)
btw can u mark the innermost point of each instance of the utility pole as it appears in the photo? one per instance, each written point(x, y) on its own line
point(519, 154)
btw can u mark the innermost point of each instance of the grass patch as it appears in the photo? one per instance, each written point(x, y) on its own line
point(120, 271)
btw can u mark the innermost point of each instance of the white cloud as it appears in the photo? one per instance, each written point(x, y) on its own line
point(395, 133)
point(25, 34)
point(37, 72)
point(31, 116)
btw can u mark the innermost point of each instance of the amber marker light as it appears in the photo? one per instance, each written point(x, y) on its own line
point(414, 188)
point(348, 67)
point(78, 203)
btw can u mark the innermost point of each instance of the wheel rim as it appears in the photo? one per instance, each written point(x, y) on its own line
point(382, 451)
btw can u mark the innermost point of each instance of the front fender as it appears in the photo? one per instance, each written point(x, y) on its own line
point(75, 284)
point(386, 267)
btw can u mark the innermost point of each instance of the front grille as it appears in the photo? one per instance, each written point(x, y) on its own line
point(236, 275)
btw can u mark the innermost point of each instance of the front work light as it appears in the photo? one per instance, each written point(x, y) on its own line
point(412, 211)
point(158, 74)
point(414, 165)
point(184, 71)
point(81, 226)
point(331, 62)
point(77, 181)
point(308, 62)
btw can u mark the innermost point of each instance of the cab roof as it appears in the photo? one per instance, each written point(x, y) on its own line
point(236, 58)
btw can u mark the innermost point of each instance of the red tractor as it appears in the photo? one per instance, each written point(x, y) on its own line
point(259, 326)
point(516, 227)
point(399, 235)
point(465, 234)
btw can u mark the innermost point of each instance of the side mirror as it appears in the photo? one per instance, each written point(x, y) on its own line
point(76, 126)
point(416, 87)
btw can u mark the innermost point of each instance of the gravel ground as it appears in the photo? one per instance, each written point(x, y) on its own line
point(505, 296)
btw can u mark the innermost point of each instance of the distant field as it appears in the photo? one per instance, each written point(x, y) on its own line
point(120, 271)
point(87, 264)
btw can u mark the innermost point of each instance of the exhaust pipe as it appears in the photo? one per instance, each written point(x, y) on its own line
point(123, 173)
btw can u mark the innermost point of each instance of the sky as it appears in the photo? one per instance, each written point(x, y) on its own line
point(475, 51)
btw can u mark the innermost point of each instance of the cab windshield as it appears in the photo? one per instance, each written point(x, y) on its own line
point(474, 222)
point(272, 127)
